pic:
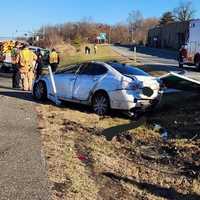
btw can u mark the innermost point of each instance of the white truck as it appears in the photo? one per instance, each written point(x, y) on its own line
point(191, 52)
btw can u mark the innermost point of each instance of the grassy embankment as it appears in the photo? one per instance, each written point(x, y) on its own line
point(104, 53)
point(82, 164)
point(136, 165)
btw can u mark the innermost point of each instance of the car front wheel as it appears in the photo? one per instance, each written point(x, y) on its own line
point(40, 91)
point(100, 103)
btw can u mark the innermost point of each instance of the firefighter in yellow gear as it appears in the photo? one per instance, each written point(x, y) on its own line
point(26, 60)
point(54, 60)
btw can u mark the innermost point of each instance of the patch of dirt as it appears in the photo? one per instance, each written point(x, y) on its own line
point(137, 164)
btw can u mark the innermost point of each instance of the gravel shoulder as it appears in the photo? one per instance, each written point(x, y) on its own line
point(22, 167)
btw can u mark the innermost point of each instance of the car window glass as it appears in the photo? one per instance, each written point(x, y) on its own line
point(84, 69)
point(72, 69)
point(98, 69)
point(93, 69)
point(69, 70)
point(128, 70)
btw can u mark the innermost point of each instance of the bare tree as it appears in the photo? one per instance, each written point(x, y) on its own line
point(146, 25)
point(86, 31)
point(135, 20)
point(119, 33)
point(185, 11)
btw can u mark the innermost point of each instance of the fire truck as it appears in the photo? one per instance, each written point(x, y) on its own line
point(8, 50)
point(190, 53)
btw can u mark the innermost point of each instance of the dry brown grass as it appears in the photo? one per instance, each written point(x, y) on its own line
point(137, 165)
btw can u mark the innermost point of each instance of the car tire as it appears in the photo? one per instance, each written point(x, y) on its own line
point(100, 103)
point(40, 91)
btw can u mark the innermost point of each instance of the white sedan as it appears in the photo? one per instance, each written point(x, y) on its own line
point(102, 85)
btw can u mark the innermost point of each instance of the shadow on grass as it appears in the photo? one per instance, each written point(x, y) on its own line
point(88, 109)
point(168, 193)
point(112, 132)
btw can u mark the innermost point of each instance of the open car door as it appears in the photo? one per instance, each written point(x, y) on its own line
point(180, 82)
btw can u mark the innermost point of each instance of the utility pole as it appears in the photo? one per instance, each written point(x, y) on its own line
point(110, 32)
point(135, 54)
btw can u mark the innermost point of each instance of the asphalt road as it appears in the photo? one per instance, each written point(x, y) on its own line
point(159, 59)
point(22, 166)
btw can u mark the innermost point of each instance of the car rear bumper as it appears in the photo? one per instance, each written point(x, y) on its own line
point(145, 104)
point(127, 100)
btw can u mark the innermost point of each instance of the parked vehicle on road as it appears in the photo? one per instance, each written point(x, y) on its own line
point(191, 52)
point(104, 86)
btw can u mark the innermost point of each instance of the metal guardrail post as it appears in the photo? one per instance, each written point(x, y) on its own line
point(56, 100)
point(52, 80)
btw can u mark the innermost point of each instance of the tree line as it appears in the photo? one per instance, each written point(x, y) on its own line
point(134, 30)
point(184, 12)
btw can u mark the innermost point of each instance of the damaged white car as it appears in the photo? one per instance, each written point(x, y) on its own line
point(104, 86)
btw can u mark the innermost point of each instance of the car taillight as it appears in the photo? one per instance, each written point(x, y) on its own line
point(132, 85)
point(136, 86)
point(161, 83)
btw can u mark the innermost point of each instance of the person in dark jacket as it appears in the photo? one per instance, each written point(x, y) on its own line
point(182, 56)
point(16, 77)
point(16, 73)
point(39, 63)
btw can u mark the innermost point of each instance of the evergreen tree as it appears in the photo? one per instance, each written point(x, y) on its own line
point(167, 18)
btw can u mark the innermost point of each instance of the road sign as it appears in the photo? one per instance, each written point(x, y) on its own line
point(103, 36)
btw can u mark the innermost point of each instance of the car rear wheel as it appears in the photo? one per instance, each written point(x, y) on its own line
point(40, 91)
point(100, 103)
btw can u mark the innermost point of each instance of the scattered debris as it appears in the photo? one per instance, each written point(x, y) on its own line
point(163, 132)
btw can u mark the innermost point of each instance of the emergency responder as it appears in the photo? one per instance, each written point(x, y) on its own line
point(39, 63)
point(54, 60)
point(16, 72)
point(182, 55)
point(26, 60)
